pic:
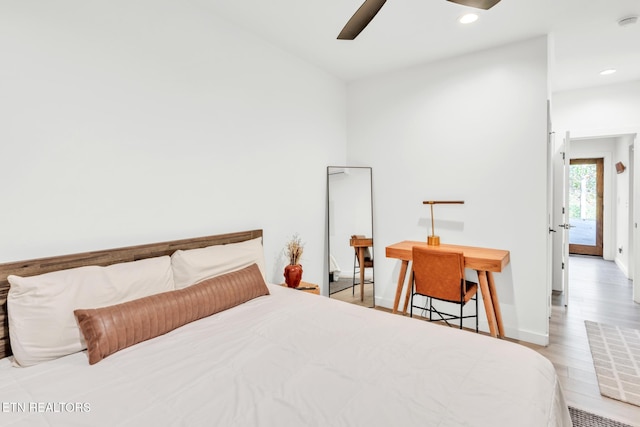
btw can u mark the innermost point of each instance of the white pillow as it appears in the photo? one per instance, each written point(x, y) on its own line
point(194, 265)
point(40, 308)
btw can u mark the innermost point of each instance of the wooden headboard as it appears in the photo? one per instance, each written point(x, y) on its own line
point(104, 257)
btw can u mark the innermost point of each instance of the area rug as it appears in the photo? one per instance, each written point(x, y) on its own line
point(581, 418)
point(616, 358)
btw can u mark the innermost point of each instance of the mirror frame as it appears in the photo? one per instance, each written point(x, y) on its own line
point(328, 255)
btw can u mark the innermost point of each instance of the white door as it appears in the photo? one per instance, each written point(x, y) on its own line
point(564, 227)
point(560, 217)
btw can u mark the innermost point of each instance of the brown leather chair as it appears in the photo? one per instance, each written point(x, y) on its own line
point(439, 274)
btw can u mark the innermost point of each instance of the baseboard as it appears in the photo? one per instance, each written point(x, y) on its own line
point(483, 326)
point(622, 267)
point(528, 336)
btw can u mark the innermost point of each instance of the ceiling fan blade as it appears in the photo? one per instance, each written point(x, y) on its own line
point(478, 4)
point(361, 19)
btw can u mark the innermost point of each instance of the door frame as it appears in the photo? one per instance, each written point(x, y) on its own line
point(597, 248)
point(634, 220)
point(575, 150)
point(608, 219)
point(558, 161)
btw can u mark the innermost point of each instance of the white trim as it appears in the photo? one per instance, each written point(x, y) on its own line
point(483, 326)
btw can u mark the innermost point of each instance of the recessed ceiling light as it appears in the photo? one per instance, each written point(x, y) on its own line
point(468, 18)
point(607, 72)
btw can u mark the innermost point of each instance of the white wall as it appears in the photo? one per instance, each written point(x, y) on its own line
point(598, 111)
point(623, 204)
point(470, 128)
point(133, 122)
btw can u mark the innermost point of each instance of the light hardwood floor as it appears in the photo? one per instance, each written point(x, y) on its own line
point(600, 292)
point(354, 298)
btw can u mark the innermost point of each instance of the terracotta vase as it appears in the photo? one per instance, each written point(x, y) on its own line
point(293, 275)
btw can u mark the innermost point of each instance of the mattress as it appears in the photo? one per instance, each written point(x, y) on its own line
point(293, 359)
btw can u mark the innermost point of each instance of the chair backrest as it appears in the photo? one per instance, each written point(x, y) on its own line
point(439, 273)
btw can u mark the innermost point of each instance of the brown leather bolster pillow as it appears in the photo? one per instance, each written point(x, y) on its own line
point(110, 329)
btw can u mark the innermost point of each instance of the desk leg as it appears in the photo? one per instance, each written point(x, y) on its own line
point(496, 304)
point(361, 261)
point(401, 277)
point(488, 302)
point(407, 296)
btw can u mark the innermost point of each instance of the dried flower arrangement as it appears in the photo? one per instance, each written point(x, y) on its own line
point(294, 250)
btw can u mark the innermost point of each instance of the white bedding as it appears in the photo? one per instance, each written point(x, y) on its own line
point(293, 359)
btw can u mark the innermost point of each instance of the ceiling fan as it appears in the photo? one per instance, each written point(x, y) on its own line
point(370, 8)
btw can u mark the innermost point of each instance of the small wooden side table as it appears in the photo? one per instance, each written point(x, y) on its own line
point(306, 287)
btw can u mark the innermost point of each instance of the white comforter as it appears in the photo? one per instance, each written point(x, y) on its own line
point(293, 359)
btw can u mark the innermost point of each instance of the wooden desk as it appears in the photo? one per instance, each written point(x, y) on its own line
point(361, 244)
point(484, 261)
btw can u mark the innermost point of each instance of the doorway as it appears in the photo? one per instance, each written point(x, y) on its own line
point(586, 195)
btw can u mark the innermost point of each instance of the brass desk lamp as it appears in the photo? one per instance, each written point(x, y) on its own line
point(434, 240)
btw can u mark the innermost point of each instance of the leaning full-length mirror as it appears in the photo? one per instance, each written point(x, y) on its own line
point(350, 228)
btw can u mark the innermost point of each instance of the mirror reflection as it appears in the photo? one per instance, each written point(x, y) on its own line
point(350, 228)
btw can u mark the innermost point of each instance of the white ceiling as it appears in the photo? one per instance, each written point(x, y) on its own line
point(585, 33)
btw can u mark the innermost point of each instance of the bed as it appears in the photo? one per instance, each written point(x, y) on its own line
point(284, 358)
